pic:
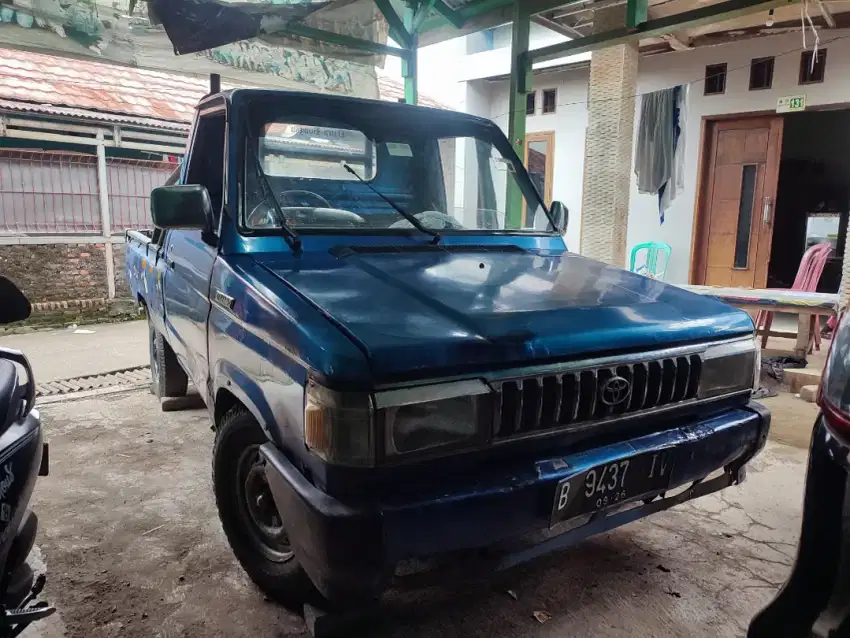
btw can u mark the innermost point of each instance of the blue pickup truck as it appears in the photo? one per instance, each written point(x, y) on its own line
point(402, 360)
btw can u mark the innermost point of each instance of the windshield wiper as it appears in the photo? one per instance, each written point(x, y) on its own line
point(292, 237)
point(411, 218)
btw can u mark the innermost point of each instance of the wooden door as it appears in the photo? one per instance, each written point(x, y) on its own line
point(539, 160)
point(734, 224)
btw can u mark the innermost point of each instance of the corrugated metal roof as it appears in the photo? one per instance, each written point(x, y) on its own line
point(44, 79)
point(53, 85)
point(96, 116)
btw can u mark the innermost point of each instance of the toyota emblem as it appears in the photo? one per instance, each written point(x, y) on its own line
point(615, 390)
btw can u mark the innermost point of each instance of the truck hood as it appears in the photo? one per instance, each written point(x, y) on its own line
point(454, 309)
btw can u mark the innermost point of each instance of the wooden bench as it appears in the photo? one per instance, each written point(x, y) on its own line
point(802, 304)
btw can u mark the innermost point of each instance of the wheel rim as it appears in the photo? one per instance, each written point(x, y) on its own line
point(263, 521)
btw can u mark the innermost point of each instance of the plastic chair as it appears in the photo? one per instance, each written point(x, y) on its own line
point(652, 266)
point(807, 279)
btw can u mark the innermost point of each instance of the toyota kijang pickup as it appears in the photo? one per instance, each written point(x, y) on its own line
point(402, 360)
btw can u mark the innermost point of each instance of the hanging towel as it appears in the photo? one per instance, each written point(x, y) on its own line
point(660, 151)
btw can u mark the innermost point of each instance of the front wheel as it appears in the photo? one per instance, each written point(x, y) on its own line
point(253, 526)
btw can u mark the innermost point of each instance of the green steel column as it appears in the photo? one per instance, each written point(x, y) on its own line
point(520, 86)
point(408, 64)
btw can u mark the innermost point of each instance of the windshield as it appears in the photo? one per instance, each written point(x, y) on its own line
point(329, 175)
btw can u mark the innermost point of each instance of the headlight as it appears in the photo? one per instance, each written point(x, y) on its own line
point(416, 419)
point(728, 368)
point(361, 429)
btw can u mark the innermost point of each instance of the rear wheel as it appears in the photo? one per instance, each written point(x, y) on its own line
point(167, 377)
point(254, 528)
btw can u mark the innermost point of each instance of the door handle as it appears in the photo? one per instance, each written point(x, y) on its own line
point(768, 204)
point(170, 263)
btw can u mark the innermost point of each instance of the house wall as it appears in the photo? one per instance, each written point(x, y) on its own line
point(663, 71)
point(569, 122)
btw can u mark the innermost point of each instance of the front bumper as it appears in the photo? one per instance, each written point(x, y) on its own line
point(351, 551)
point(815, 600)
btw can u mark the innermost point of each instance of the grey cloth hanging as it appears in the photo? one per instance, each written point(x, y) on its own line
point(659, 155)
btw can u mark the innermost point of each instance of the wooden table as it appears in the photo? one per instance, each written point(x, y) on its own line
point(802, 304)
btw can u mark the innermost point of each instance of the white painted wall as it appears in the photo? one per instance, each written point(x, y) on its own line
point(686, 66)
point(569, 122)
point(662, 71)
point(497, 61)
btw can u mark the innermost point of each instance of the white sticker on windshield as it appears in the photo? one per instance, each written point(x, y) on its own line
point(399, 149)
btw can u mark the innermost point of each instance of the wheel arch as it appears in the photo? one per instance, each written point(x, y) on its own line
point(234, 388)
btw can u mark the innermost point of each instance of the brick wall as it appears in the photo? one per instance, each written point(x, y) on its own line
point(122, 287)
point(58, 272)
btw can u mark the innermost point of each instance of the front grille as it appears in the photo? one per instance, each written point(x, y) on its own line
point(556, 400)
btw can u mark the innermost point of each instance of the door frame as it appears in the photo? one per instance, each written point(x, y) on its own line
point(699, 233)
point(542, 136)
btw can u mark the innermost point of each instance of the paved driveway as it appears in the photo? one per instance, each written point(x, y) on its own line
point(133, 546)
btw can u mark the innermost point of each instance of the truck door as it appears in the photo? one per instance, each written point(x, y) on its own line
point(189, 258)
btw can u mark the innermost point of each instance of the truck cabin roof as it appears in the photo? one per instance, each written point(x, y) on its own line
point(373, 117)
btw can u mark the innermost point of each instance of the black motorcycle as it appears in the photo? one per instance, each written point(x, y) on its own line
point(23, 458)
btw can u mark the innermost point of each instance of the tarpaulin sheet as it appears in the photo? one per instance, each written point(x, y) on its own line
point(196, 25)
point(128, 32)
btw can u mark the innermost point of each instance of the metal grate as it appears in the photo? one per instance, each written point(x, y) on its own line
point(48, 192)
point(129, 377)
point(553, 401)
point(130, 183)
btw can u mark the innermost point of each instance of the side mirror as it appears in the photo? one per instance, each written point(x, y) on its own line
point(561, 216)
point(186, 206)
point(14, 305)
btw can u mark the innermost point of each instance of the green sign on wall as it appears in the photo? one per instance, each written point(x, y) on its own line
point(791, 104)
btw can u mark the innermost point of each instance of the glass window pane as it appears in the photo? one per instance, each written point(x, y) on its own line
point(550, 97)
point(316, 152)
point(301, 169)
point(537, 157)
point(745, 216)
point(530, 106)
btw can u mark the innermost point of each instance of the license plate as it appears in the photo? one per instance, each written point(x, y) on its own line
point(612, 483)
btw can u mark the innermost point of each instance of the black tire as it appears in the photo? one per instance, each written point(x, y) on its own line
point(167, 377)
point(237, 472)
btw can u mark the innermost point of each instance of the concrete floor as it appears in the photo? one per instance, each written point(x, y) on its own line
point(133, 546)
point(95, 349)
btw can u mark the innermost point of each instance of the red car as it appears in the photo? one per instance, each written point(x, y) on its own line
point(815, 601)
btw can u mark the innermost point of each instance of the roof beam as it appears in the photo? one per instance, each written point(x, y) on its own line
point(421, 13)
point(397, 30)
point(651, 28)
point(342, 40)
point(580, 6)
point(563, 29)
point(443, 14)
point(637, 13)
point(448, 13)
point(675, 42)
